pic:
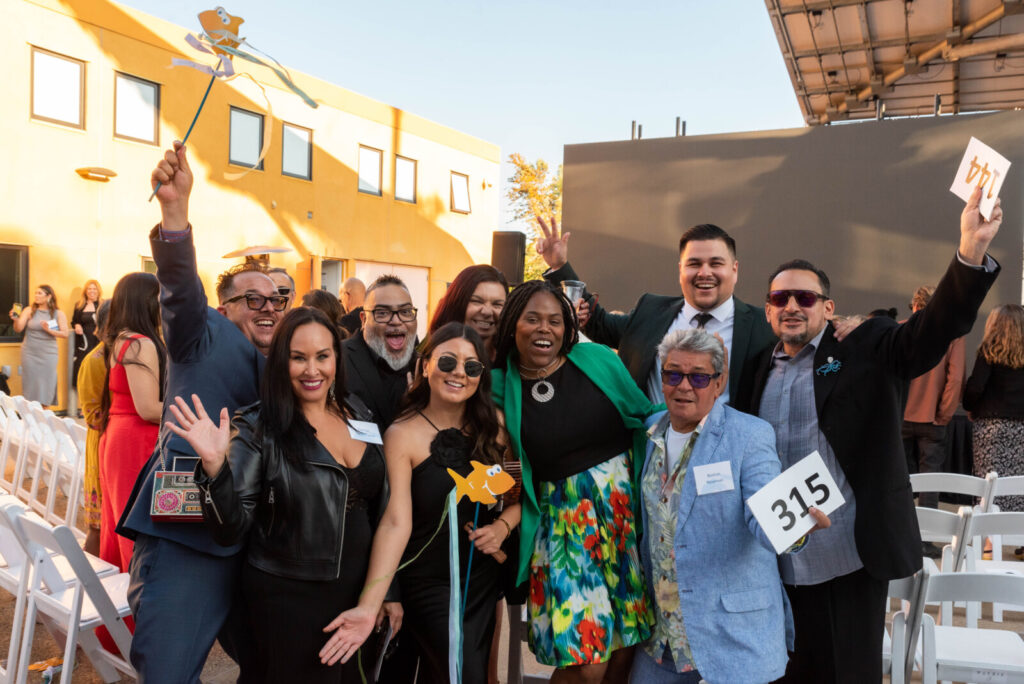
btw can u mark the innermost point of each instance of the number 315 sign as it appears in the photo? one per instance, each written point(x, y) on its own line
point(781, 505)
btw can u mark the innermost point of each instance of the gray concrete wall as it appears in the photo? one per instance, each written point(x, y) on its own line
point(869, 203)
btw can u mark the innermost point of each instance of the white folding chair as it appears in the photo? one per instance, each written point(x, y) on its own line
point(63, 474)
point(14, 575)
point(13, 441)
point(968, 654)
point(37, 440)
point(76, 609)
point(998, 526)
point(899, 651)
point(951, 530)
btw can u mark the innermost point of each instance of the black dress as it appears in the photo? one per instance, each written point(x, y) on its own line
point(425, 582)
point(83, 343)
point(288, 615)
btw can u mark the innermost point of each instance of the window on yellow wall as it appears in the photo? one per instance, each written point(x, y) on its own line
point(460, 193)
point(136, 109)
point(58, 88)
point(245, 138)
point(369, 170)
point(13, 286)
point(405, 179)
point(296, 151)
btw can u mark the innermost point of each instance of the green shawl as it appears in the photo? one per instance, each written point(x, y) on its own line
point(603, 367)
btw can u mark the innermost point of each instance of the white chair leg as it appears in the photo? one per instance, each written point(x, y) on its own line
point(68, 668)
point(26, 641)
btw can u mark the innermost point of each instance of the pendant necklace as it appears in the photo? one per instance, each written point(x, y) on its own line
point(542, 390)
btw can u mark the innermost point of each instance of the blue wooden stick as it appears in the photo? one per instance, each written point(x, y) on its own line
point(469, 565)
point(191, 125)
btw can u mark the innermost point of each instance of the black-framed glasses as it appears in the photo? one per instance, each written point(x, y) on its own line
point(474, 368)
point(697, 380)
point(383, 315)
point(256, 301)
point(804, 298)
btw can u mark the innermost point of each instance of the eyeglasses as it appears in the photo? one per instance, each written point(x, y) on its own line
point(256, 301)
point(474, 369)
point(804, 298)
point(406, 315)
point(285, 291)
point(697, 380)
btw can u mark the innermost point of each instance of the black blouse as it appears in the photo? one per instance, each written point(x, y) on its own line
point(995, 391)
point(577, 429)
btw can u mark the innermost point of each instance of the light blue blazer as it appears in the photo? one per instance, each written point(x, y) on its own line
point(735, 609)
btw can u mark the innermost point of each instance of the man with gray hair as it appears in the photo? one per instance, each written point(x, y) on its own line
point(379, 361)
point(704, 460)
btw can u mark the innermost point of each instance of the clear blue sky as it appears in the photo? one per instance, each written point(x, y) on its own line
point(533, 76)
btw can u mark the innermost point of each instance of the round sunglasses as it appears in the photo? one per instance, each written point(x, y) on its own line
point(473, 368)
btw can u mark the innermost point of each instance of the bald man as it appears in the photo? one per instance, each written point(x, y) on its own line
point(351, 296)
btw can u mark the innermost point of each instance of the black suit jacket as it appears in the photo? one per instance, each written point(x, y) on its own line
point(370, 378)
point(858, 393)
point(637, 334)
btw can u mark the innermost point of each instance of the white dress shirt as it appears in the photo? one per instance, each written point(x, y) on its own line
point(721, 322)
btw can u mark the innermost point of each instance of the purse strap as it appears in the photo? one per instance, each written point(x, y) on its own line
point(161, 446)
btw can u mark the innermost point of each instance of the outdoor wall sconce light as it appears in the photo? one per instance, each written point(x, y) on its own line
point(96, 173)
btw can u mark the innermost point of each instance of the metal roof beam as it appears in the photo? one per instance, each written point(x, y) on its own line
point(821, 6)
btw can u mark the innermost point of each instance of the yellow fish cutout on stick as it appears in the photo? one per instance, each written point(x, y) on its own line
point(483, 485)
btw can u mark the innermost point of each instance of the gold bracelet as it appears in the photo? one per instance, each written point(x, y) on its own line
point(507, 527)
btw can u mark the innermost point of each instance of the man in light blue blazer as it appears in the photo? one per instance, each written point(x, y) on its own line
point(722, 612)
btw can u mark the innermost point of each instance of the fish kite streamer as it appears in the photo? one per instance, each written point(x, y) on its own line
point(220, 37)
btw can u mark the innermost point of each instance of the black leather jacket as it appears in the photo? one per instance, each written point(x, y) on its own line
point(294, 517)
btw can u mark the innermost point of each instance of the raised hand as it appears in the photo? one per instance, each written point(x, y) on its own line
point(975, 232)
point(174, 175)
point(210, 441)
point(350, 631)
point(553, 247)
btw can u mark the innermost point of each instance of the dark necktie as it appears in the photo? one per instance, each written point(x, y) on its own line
point(702, 319)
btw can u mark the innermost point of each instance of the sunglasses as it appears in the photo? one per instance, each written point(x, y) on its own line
point(256, 301)
point(382, 315)
point(804, 298)
point(285, 291)
point(697, 380)
point(446, 364)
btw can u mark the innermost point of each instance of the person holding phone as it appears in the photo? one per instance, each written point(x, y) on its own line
point(42, 322)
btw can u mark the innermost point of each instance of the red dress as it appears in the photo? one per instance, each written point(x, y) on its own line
point(125, 447)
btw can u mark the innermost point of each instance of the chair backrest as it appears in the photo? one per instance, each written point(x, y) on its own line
point(937, 525)
point(19, 520)
point(953, 483)
point(1008, 486)
point(975, 586)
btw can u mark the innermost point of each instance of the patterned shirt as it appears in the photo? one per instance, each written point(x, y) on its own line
point(788, 404)
point(661, 487)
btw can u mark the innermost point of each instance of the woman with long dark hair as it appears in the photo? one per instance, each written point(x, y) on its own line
point(42, 322)
point(448, 419)
point(83, 320)
point(299, 477)
point(129, 422)
point(576, 421)
point(329, 304)
point(475, 298)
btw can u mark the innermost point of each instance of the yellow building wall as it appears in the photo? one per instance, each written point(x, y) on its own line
point(78, 229)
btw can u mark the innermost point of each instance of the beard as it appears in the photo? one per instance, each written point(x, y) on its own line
point(380, 348)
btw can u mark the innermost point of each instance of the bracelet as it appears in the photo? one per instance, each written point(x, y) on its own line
point(507, 527)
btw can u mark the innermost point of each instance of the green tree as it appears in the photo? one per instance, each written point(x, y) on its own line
point(534, 191)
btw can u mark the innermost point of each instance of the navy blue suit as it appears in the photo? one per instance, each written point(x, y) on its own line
point(183, 582)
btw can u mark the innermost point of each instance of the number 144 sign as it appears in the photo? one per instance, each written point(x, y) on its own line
point(781, 505)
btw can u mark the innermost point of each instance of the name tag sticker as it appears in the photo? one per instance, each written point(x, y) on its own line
point(365, 431)
point(781, 505)
point(713, 478)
